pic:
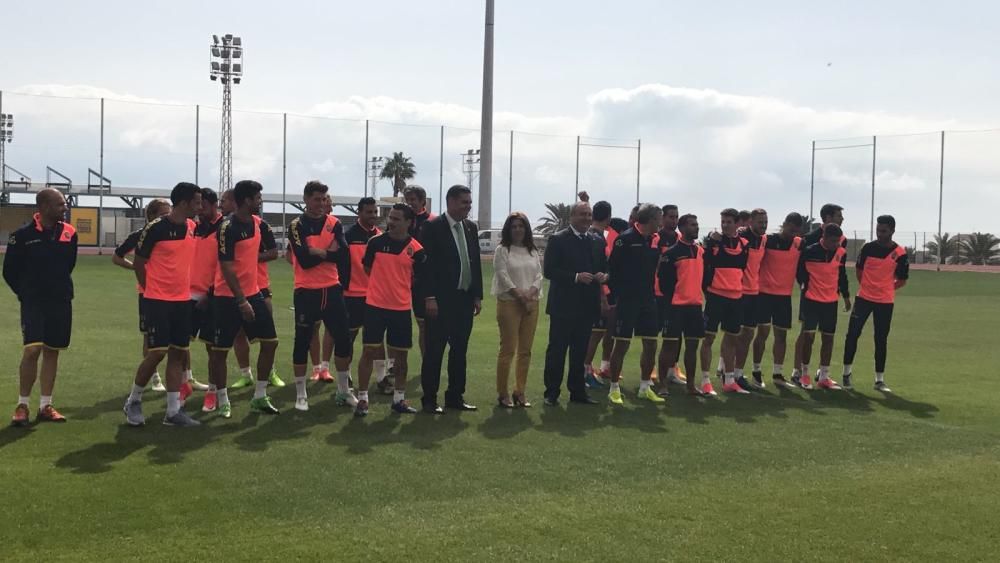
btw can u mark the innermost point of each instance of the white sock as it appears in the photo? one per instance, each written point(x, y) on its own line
point(847, 369)
point(796, 372)
point(343, 381)
point(398, 396)
point(390, 363)
point(672, 372)
point(614, 386)
point(705, 378)
point(22, 400)
point(300, 387)
point(721, 368)
point(212, 388)
point(379, 370)
point(756, 367)
point(738, 373)
point(44, 401)
point(173, 403)
point(136, 395)
point(363, 395)
point(879, 377)
point(260, 390)
point(156, 376)
point(222, 396)
point(317, 368)
point(643, 385)
point(728, 378)
point(805, 369)
point(324, 366)
point(605, 365)
point(824, 372)
point(778, 369)
point(186, 376)
point(247, 372)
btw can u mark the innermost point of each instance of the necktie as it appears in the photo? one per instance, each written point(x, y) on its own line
point(465, 277)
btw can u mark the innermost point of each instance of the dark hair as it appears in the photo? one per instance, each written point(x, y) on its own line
point(832, 230)
point(668, 208)
point(794, 218)
point(887, 220)
point(366, 201)
point(209, 195)
point(730, 212)
point(313, 187)
point(686, 218)
point(505, 238)
point(757, 212)
point(457, 190)
point(246, 189)
point(618, 225)
point(183, 192)
point(406, 209)
point(647, 212)
point(829, 210)
point(418, 191)
point(602, 211)
point(155, 208)
point(744, 215)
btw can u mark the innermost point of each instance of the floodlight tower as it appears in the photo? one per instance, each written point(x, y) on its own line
point(227, 67)
point(470, 164)
point(375, 166)
point(6, 136)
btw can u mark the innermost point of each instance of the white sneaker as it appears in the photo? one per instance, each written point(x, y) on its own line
point(157, 384)
point(302, 404)
point(346, 399)
point(197, 385)
point(675, 379)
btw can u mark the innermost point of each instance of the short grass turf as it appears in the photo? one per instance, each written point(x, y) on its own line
point(769, 477)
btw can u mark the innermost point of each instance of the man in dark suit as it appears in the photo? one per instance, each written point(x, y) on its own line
point(453, 295)
point(576, 267)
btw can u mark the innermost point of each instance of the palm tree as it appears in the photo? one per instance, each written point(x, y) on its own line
point(979, 249)
point(399, 169)
point(556, 220)
point(943, 247)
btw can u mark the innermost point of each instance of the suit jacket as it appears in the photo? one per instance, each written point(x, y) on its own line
point(443, 265)
point(565, 256)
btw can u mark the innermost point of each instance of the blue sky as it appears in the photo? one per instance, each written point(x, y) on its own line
point(723, 93)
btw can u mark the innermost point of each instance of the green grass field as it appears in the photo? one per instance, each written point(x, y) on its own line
point(771, 477)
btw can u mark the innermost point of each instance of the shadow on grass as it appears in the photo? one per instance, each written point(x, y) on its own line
point(505, 423)
point(11, 434)
point(916, 409)
point(421, 431)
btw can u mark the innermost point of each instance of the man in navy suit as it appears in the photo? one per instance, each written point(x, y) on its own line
point(453, 295)
point(576, 267)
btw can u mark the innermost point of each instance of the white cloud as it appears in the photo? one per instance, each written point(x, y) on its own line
point(702, 149)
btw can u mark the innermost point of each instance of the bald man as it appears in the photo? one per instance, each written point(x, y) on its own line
point(576, 267)
point(38, 267)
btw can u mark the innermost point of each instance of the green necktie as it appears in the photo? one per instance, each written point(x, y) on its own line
point(465, 278)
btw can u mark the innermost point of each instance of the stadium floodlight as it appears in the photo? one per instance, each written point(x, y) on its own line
point(375, 166)
point(6, 136)
point(470, 164)
point(223, 69)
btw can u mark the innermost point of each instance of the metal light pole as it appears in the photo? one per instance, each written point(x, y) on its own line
point(941, 206)
point(871, 224)
point(812, 181)
point(486, 130)
point(375, 166)
point(6, 137)
point(225, 69)
point(470, 165)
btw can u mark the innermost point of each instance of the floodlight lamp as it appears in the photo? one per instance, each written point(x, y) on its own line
point(236, 80)
point(237, 41)
point(237, 53)
point(237, 68)
point(226, 52)
point(216, 52)
point(215, 38)
point(213, 77)
point(215, 66)
point(225, 68)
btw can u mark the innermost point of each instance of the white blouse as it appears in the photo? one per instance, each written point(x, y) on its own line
point(515, 267)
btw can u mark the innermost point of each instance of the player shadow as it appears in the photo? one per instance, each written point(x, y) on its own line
point(572, 420)
point(421, 431)
point(505, 423)
point(895, 402)
point(11, 434)
point(291, 424)
point(171, 444)
point(101, 457)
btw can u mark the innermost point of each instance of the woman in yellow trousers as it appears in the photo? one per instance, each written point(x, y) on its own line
point(517, 285)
